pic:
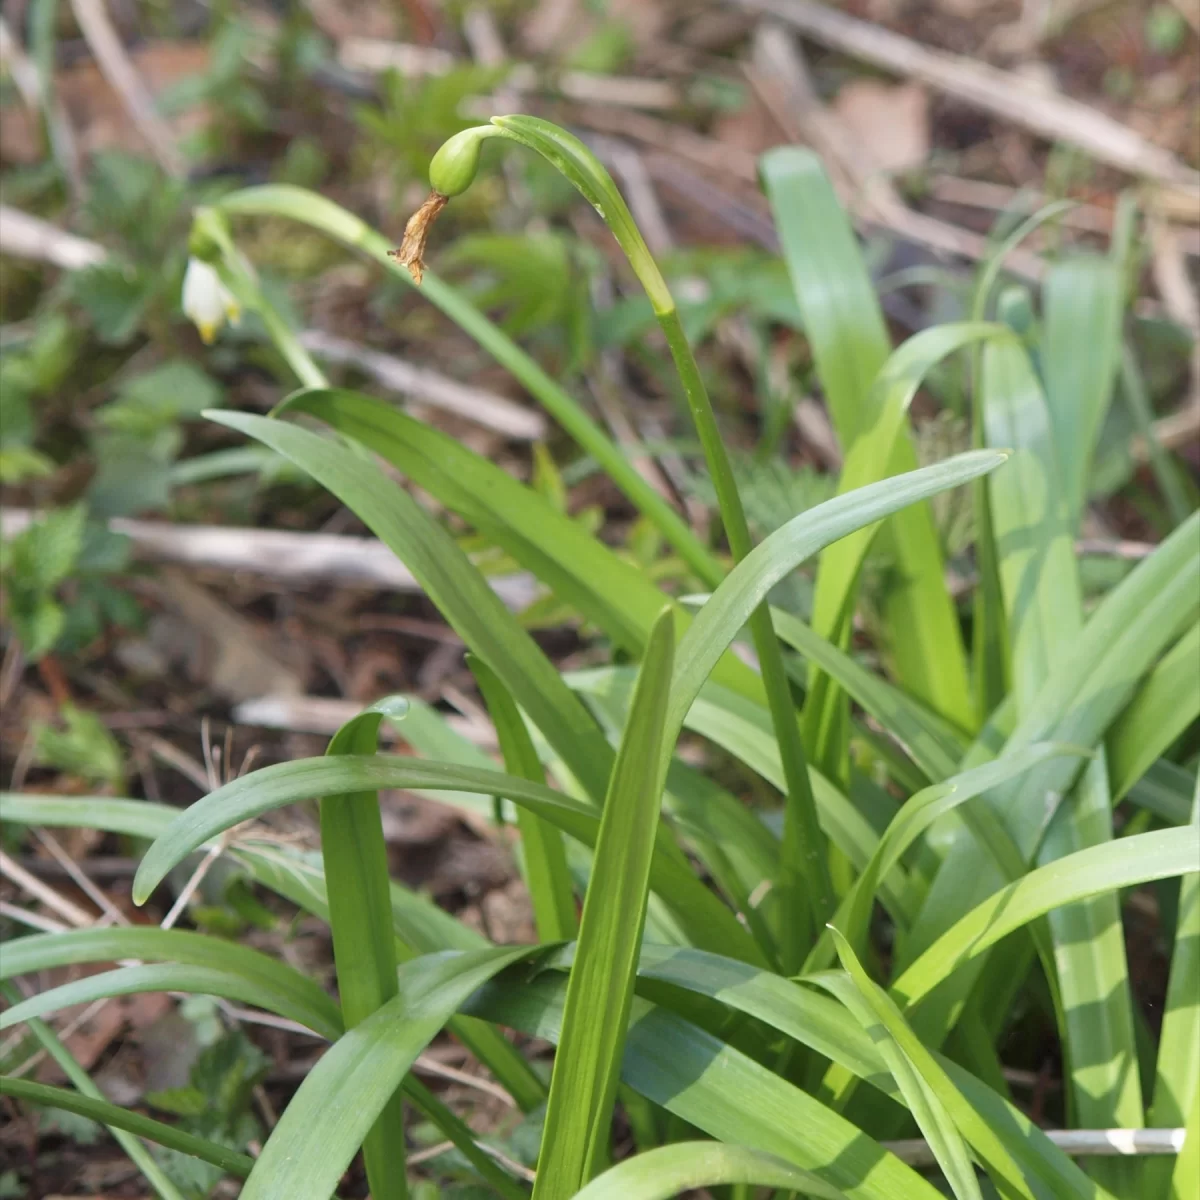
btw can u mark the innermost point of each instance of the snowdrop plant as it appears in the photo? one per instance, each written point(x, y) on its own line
point(698, 991)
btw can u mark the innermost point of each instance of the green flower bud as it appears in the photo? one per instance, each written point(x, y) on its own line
point(453, 168)
point(209, 237)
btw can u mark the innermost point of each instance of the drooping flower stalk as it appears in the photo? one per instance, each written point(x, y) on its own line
point(804, 883)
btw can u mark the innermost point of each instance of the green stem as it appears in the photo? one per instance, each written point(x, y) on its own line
point(142, 1158)
point(804, 864)
point(250, 295)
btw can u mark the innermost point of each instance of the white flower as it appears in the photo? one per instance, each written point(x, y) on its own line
point(207, 302)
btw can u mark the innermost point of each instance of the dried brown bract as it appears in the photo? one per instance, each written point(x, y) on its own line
point(416, 233)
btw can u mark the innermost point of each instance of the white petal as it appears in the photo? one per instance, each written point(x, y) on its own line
point(206, 300)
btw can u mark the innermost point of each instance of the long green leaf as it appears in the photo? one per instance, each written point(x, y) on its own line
point(453, 583)
point(298, 878)
point(917, 814)
point(1120, 643)
point(822, 1023)
point(1165, 705)
point(1030, 528)
point(687, 1166)
point(726, 611)
point(140, 1155)
point(1103, 868)
point(171, 977)
point(546, 870)
point(343, 1095)
point(116, 1117)
point(862, 997)
point(1081, 298)
point(1177, 1076)
point(43, 951)
point(579, 568)
point(706, 918)
point(720, 1091)
point(845, 328)
point(354, 855)
point(600, 989)
point(1033, 533)
point(868, 460)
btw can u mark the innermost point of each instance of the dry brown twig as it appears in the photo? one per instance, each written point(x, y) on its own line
point(109, 53)
point(780, 74)
point(1040, 110)
point(276, 554)
point(488, 409)
point(373, 56)
point(25, 236)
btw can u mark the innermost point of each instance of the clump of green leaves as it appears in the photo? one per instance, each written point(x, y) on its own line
point(944, 803)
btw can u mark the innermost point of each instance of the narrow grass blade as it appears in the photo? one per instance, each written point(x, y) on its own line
point(876, 453)
point(115, 1118)
point(354, 856)
point(1177, 1076)
point(933, 745)
point(316, 211)
point(941, 1112)
point(706, 919)
point(1165, 705)
point(547, 874)
point(139, 1155)
point(1185, 1178)
point(1166, 472)
point(845, 328)
point(44, 951)
point(1104, 868)
point(722, 617)
point(1081, 300)
point(917, 814)
point(720, 1091)
point(687, 1166)
point(171, 977)
point(600, 990)
point(343, 1095)
point(460, 1134)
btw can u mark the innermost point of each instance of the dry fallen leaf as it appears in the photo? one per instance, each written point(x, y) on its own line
point(96, 113)
point(887, 123)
